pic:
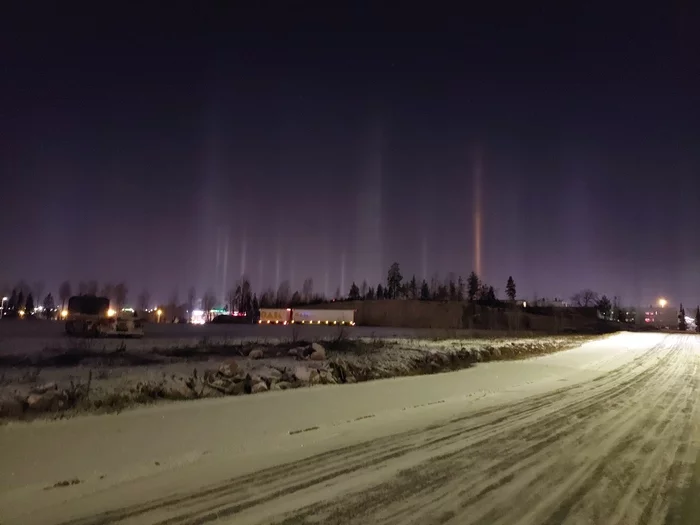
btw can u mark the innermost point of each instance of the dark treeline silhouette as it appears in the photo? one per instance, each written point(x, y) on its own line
point(21, 299)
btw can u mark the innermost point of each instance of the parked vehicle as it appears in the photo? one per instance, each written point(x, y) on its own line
point(91, 316)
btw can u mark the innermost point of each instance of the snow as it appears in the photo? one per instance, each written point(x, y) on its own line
point(538, 429)
point(29, 337)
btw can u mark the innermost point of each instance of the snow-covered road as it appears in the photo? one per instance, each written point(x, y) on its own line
point(605, 433)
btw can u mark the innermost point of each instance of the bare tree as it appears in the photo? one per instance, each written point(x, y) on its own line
point(23, 287)
point(284, 294)
point(107, 291)
point(174, 300)
point(267, 299)
point(208, 303)
point(584, 298)
point(363, 289)
point(144, 299)
point(307, 290)
point(91, 287)
point(49, 306)
point(64, 293)
point(191, 296)
point(120, 294)
point(232, 298)
point(38, 288)
point(246, 301)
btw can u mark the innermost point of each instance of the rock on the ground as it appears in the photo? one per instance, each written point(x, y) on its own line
point(49, 401)
point(327, 378)
point(496, 352)
point(229, 368)
point(314, 377)
point(259, 387)
point(282, 385)
point(318, 353)
point(11, 407)
point(236, 389)
point(297, 351)
point(268, 372)
point(302, 373)
point(42, 389)
point(256, 353)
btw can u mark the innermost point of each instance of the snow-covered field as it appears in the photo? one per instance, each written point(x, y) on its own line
point(604, 433)
point(28, 337)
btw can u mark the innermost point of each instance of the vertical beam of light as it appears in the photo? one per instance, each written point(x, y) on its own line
point(368, 255)
point(325, 273)
point(278, 261)
point(342, 274)
point(244, 249)
point(259, 285)
point(292, 270)
point(225, 268)
point(477, 215)
point(424, 255)
point(218, 258)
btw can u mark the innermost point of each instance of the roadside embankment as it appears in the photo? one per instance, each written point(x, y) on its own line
point(68, 381)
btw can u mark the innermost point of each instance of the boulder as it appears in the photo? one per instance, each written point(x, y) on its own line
point(316, 352)
point(42, 389)
point(327, 377)
point(302, 373)
point(47, 402)
point(229, 368)
point(266, 372)
point(496, 353)
point(236, 389)
point(259, 387)
point(11, 407)
point(314, 377)
point(297, 351)
point(256, 353)
point(282, 385)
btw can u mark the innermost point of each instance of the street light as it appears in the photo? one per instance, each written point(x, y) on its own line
point(2, 306)
point(663, 302)
point(159, 313)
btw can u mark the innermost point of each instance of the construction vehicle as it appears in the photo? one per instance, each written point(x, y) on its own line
point(91, 316)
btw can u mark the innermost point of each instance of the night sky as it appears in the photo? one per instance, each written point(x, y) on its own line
point(329, 143)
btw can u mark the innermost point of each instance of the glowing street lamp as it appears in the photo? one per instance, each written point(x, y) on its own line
point(662, 302)
point(159, 312)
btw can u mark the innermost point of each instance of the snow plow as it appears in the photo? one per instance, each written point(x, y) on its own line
point(91, 316)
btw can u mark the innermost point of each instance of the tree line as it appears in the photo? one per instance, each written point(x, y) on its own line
point(242, 298)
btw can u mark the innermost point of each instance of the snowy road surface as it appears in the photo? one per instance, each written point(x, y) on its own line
point(603, 434)
point(25, 337)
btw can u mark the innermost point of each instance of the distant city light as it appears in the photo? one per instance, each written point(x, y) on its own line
point(111, 313)
point(198, 317)
point(663, 302)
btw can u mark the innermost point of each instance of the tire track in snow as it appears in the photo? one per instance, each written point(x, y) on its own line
point(617, 449)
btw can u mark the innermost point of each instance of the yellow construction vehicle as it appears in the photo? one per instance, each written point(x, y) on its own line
point(91, 316)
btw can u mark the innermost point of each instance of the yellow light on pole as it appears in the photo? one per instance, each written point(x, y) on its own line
point(663, 302)
point(159, 312)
